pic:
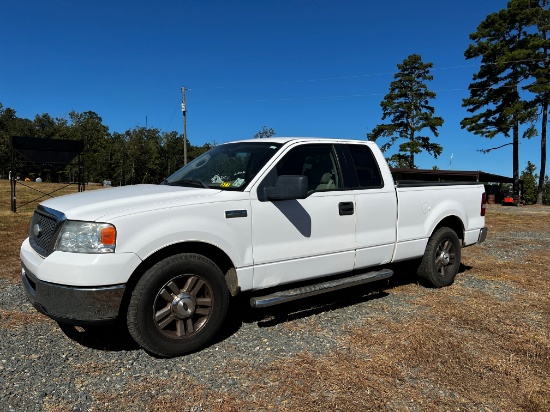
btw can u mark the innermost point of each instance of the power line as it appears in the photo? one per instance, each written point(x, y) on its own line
point(343, 96)
point(358, 76)
point(339, 78)
point(294, 81)
point(284, 99)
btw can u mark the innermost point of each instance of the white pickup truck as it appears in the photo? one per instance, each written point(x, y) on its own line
point(321, 214)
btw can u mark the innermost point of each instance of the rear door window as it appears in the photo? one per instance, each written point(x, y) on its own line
point(366, 167)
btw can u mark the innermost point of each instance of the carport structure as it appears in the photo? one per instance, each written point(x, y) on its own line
point(448, 176)
point(493, 192)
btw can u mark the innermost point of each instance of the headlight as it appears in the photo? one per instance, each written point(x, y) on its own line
point(86, 237)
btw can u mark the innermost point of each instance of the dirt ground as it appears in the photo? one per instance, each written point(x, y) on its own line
point(481, 344)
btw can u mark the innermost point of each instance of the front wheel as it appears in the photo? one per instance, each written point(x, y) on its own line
point(441, 259)
point(178, 305)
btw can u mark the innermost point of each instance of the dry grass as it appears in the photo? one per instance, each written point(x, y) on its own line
point(149, 396)
point(12, 319)
point(482, 344)
point(14, 227)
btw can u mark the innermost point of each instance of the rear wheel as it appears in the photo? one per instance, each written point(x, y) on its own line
point(441, 259)
point(178, 305)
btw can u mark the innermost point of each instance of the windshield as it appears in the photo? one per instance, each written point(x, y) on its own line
point(230, 166)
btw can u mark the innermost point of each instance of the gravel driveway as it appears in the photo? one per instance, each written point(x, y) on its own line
point(46, 367)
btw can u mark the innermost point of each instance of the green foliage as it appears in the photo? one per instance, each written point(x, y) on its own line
point(537, 16)
point(546, 191)
point(264, 133)
point(407, 106)
point(49, 127)
point(399, 161)
point(89, 128)
point(495, 86)
point(513, 45)
point(529, 184)
point(11, 125)
point(6, 123)
point(139, 155)
point(171, 153)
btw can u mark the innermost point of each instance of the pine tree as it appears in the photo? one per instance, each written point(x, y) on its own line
point(510, 52)
point(407, 106)
point(528, 177)
point(536, 14)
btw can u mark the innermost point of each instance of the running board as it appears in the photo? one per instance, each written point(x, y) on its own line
point(318, 288)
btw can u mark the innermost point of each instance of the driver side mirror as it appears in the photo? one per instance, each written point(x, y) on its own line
point(288, 187)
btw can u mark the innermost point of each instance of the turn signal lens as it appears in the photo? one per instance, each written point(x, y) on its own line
point(108, 235)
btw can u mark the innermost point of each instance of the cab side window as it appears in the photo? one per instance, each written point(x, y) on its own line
point(317, 162)
point(366, 167)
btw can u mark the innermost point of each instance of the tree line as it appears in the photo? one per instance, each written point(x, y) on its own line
point(139, 155)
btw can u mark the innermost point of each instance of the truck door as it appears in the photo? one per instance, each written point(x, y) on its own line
point(295, 240)
point(376, 209)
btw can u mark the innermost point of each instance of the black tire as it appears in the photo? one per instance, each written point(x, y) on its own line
point(178, 305)
point(441, 260)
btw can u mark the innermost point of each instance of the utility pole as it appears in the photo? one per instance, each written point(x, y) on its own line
point(184, 114)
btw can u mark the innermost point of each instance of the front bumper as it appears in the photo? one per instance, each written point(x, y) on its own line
point(71, 304)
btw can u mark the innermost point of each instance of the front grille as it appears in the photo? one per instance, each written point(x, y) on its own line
point(44, 226)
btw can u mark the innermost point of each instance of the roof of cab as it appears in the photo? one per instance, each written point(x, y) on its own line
point(283, 140)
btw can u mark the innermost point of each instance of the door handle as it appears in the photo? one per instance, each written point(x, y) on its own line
point(345, 208)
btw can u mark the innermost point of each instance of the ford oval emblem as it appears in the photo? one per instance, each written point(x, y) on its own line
point(37, 230)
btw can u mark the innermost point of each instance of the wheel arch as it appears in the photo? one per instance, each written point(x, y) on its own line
point(452, 222)
point(215, 254)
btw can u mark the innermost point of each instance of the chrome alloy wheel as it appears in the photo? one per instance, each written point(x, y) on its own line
point(183, 306)
point(445, 257)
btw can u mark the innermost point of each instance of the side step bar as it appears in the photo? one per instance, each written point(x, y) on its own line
point(318, 288)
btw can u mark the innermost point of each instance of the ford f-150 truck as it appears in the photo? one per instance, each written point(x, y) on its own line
point(292, 217)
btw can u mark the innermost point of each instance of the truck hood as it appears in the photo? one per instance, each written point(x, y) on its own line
point(96, 205)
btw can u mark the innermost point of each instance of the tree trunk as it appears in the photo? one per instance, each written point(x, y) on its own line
point(515, 162)
point(542, 152)
point(540, 189)
point(411, 126)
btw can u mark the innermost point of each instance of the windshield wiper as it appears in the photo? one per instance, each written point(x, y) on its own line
point(190, 183)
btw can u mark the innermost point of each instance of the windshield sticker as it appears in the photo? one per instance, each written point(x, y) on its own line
point(225, 184)
point(216, 179)
point(238, 182)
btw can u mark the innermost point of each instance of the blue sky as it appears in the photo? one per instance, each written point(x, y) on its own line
point(303, 68)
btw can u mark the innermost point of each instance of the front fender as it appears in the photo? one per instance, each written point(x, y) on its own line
point(145, 234)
